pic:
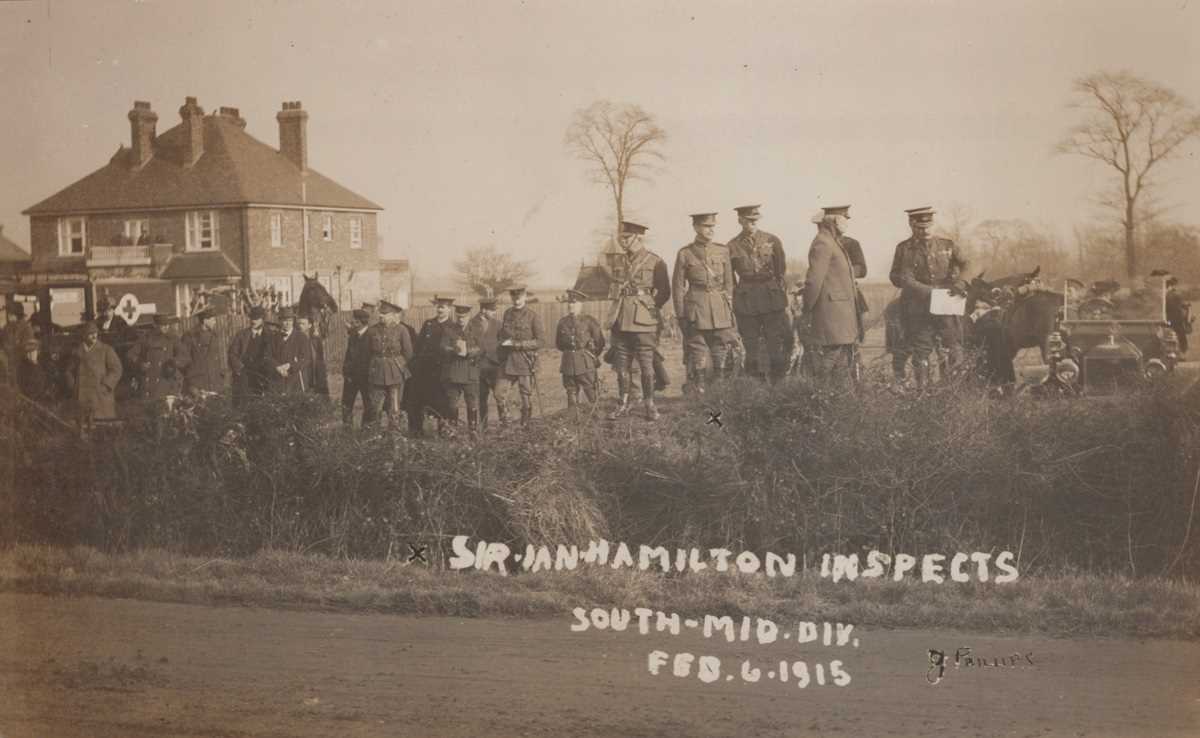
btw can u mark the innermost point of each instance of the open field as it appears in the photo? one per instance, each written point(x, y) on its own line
point(91, 668)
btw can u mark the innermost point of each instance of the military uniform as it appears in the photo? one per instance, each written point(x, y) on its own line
point(702, 282)
point(581, 341)
point(155, 359)
point(425, 391)
point(488, 330)
point(760, 297)
point(518, 360)
point(201, 360)
point(635, 319)
point(389, 349)
point(921, 265)
point(460, 368)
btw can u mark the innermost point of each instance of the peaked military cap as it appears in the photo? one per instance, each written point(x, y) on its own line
point(704, 218)
point(487, 303)
point(576, 296)
point(516, 289)
point(750, 212)
point(923, 214)
point(386, 307)
point(634, 228)
point(437, 300)
point(368, 306)
point(360, 315)
point(842, 210)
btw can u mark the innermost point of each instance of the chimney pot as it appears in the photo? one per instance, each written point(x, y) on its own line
point(293, 133)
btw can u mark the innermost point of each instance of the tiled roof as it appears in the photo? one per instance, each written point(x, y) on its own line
point(593, 281)
point(235, 168)
point(210, 265)
point(10, 252)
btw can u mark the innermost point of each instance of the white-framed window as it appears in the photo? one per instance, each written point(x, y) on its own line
point(282, 287)
point(327, 228)
point(356, 233)
point(72, 236)
point(277, 230)
point(201, 230)
point(135, 229)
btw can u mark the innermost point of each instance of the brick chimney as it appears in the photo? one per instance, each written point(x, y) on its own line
point(142, 122)
point(293, 133)
point(193, 130)
point(233, 115)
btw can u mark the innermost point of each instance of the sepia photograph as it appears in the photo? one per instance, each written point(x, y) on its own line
point(544, 368)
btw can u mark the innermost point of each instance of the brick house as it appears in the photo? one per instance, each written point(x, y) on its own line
point(199, 206)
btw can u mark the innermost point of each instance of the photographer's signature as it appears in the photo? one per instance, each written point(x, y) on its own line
point(964, 659)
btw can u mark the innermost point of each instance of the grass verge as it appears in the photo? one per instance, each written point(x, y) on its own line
point(1064, 605)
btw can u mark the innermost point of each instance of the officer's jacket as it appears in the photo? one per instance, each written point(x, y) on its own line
point(155, 361)
point(581, 340)
point(702, 282)
point(489, 342)
point(920, 266)
point(524, 328)
point(759, 263)
point(427, 359)
point(390, 349)
point(461, 369)
point(640, 297)
point(292, 349)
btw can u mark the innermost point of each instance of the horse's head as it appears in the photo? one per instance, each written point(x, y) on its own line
point(315, 298)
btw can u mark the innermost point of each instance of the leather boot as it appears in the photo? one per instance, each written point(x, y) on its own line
point(621, 409)
point(651, 411)
point(921, 373)
point(526, 415)
point(472, 420)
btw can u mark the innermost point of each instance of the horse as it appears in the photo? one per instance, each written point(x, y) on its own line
point(316, 302)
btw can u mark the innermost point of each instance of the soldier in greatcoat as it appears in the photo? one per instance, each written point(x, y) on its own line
point(520, 338)
point(355, 369)
point(289, 356)
point(487, 325)
point(155, 360)
point(922, 264)
point(200, 359)
point(760, 297)
point(702, 283)
point(461, 351)
point(94, 373)
point(248, 357)
point(424, 394)
point(635, 320)
point(581, 341)
point(390, 349)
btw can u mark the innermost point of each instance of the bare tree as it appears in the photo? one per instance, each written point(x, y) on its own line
point(1131, 125)
point(487, 272)
point(621, 142)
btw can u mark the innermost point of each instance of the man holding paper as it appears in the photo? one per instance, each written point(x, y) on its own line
point(930, 272)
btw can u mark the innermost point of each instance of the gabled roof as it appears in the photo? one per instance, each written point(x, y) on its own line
point(235, 168)
point(593, 281)
point(11, 252)
point(209, 265)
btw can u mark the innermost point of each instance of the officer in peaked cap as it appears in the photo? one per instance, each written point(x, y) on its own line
point(425, 394)
point(921, 264)
point(703, 282)
point(520, 337)
point(461, 351)
point(760, 298)
point(388, 353)
point(581, 341)
point(636, 318)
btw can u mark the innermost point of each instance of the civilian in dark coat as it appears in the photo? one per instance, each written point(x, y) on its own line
point(354, 370)
point(248, 358)
point(316, 378)
point(461, 350)
point(202, 363)
point(425, 388)
point(155, 358)
point(289, 356)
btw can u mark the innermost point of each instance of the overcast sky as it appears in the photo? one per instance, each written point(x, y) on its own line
point(451, 115)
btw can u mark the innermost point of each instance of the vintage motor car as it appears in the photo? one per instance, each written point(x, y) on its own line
point(1106, 343)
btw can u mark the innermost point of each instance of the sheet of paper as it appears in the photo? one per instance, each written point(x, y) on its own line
point(941, 302)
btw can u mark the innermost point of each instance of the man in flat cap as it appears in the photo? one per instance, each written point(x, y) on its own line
point(760, 297)
point(92, 379)
point(32, 378)
point(461, 350)
point(425, 393)
point(355, 370)
point(702, 283)
point(520, 337)
point(390, 349)
point(643, 291)
point(486, 325)
point(828, 322)
point(154, 361)
point(248, 357)
point(581, 341)
point(200, 359)
point(923, 263)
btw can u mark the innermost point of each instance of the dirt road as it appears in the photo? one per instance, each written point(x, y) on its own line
point(119, 668)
